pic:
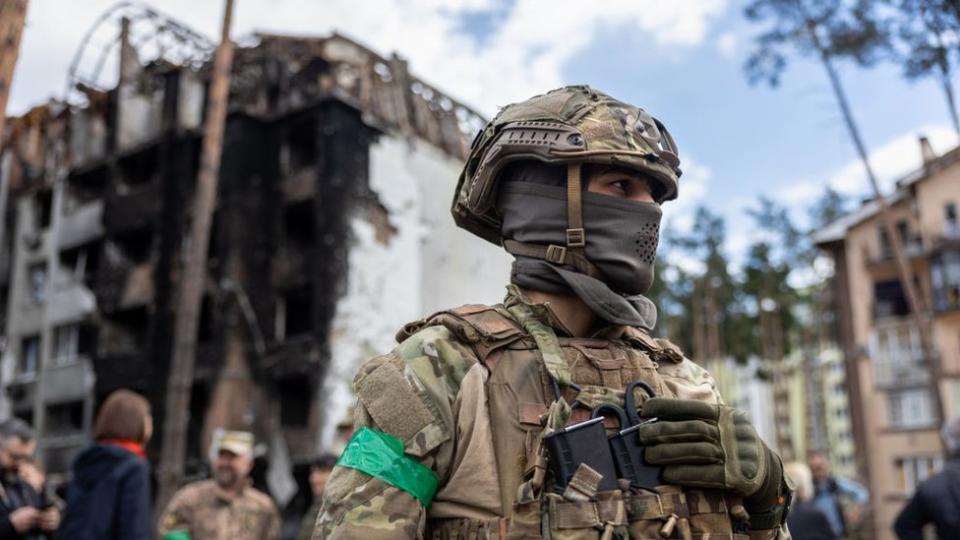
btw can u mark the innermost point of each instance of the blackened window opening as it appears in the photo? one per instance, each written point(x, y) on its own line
point(299, 311)
point(294, 401)
point(298, 223)
point(889, 300)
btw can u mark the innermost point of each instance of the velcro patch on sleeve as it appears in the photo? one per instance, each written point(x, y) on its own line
point(394, 405)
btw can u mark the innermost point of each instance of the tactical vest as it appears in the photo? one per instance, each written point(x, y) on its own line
point(520, 391)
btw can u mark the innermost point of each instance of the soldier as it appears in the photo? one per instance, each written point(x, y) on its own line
point(453, 424)
point(227, 507)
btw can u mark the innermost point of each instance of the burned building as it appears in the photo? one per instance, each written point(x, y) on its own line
point(330, 231)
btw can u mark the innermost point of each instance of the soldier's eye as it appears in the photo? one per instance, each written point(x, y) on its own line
point(620, 185)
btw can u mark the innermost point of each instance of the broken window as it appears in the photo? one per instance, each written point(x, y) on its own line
point(124, 332)
point(199, 403)
point(135, 246)
point(205, 329)
point(910, 409)
point(43, 207)
point(299, 150)
point(66, 344)
point(297, 311)
point(886, 247)
point(945, 279)
point(889, 300)
point(139, 168)
point(294, 401)
point(298, 226)
point(29, 354)
point(37, 274)
point(82, 262)
point(85, 187)
point(64, 418)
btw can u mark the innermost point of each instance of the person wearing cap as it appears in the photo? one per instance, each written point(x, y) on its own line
point(457, 428)
point(225, 507)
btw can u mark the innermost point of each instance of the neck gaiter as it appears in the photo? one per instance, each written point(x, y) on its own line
point(621, 241)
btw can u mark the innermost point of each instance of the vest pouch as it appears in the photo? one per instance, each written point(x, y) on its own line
point(710, 517)
point(658, 515)
point(585, 519)
point(526, 522)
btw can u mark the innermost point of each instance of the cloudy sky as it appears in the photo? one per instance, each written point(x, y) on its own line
point(681, 60)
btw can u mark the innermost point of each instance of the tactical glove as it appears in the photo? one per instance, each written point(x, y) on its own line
point(706, 446)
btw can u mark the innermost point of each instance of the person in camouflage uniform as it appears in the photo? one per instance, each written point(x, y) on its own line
point(226, 507)
point(453, 424)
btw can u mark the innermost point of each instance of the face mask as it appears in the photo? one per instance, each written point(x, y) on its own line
point(621, 235)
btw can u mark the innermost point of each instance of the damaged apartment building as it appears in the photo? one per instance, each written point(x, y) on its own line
point(331, 230)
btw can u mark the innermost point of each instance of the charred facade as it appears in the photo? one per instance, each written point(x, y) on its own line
point(96, 203)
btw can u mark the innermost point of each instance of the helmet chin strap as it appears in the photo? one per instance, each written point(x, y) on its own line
point(576, 237)
point(574, 253)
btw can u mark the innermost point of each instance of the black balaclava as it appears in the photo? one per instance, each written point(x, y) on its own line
point(621, 242)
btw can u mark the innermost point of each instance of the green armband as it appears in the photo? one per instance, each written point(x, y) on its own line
point(381, 455)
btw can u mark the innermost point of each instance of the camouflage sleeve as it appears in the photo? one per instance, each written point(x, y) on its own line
point(688, 380)
point(408, 393)
point(176, 516)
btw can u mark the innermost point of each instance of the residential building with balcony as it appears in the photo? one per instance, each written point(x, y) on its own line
point(894, 417)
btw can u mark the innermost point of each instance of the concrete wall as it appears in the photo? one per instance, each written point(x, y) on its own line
point(414, 263)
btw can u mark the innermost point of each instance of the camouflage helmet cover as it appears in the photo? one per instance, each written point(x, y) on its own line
point(574, 124)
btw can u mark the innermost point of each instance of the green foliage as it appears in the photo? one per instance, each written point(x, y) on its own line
point(712, 285)
point(765, 294)
point(831, 206)
point(926, 32)
point(832, 28)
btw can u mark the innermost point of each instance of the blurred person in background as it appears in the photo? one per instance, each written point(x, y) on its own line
point(805, 520)
point(226, 507)
point(33, 474)
point(319, 472)
point(23, 513)
point(109, 495)
point(937, 499)
point(842, 500)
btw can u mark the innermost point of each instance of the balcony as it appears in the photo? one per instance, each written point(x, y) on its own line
point(132, 211)
point(945, 279)
point(887, 374)
point(296, 356)
point(914, 250)
point(125, 287)
point(123, 370)
point(66, 380)
point(292, 266)
point(59, 451)
point(897, 355)
point(299, 185)
point(81, 225)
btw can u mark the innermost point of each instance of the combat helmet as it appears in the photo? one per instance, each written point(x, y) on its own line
point(568, 126)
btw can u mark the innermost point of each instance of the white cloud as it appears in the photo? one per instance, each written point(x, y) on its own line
point(892, 160)
point(799, 193)
point(523, 55)
point(727, 44)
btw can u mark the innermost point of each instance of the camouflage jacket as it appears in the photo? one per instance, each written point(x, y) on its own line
point(469, 392)
point(209, 513)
